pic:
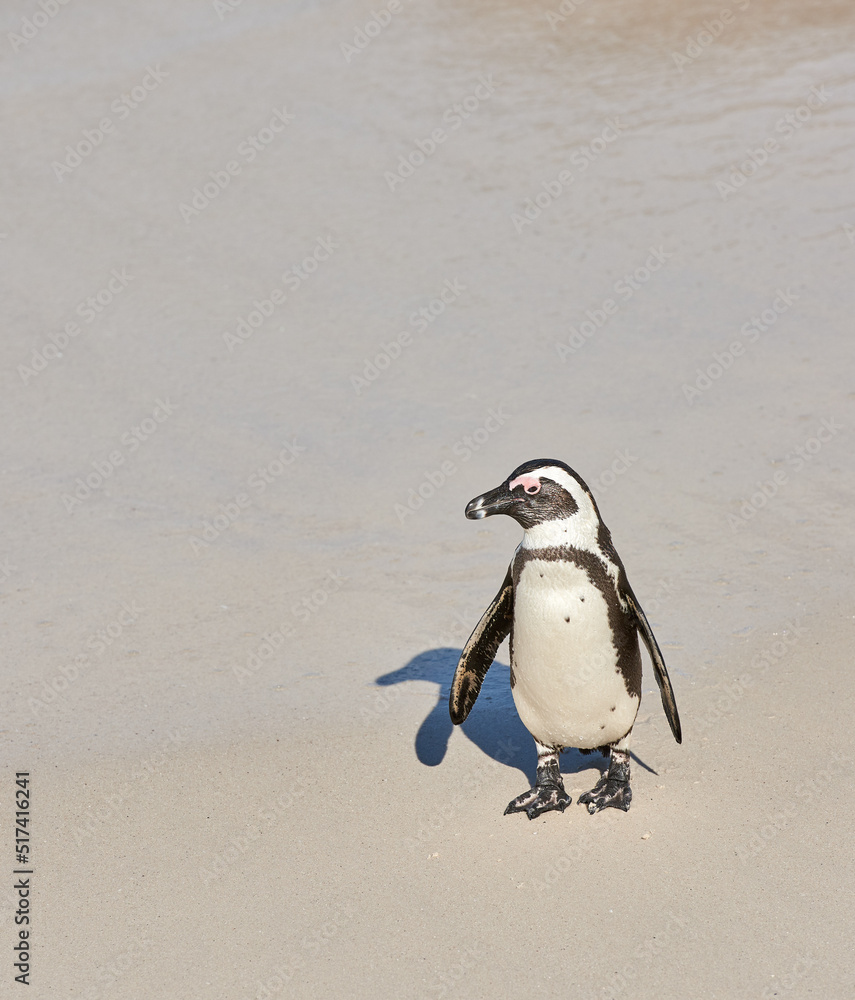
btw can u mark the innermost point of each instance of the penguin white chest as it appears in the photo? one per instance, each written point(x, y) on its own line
point(567, 686)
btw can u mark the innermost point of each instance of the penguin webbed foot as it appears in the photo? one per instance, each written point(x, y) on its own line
point(607, 792)
point(613, 789)
point(540, 799)
point(548, 792)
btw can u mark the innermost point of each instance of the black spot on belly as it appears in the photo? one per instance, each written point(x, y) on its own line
point(613, 707)
point(582, 599)
point(567, 618)
point(623, 624)
point(603, 726)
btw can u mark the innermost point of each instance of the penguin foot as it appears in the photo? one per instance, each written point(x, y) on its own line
point(540, 799)
point(613, 788)
point(608, 791)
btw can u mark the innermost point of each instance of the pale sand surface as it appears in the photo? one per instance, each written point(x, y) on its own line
point(205, 822)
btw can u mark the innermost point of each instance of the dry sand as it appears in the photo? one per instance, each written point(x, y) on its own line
point(244, 779)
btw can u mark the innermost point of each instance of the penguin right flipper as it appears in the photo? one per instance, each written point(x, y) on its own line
point(669, 702)
point(480, 651)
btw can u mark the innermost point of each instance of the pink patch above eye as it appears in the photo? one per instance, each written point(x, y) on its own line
point(531, 484)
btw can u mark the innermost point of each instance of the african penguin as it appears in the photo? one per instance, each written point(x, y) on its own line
point(574, 622)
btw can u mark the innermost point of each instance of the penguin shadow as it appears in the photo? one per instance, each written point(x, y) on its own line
point(493, 724)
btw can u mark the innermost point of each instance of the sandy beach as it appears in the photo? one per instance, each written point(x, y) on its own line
point(288, 284)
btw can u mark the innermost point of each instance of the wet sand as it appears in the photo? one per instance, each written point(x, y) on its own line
point(287, 285)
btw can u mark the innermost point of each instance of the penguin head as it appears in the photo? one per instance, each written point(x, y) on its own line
point(537, 492)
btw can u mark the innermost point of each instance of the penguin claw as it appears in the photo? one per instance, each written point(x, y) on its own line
point(608, 792)
point(539, 800)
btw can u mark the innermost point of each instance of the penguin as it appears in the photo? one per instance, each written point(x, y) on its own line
point(574, 622)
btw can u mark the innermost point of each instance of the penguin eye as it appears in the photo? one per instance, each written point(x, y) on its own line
point(530, 484)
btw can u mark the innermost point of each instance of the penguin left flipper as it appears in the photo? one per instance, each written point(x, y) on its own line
point(669, 703)
point(480, 651)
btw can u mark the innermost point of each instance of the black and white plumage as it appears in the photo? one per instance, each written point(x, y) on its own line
point(574, 622)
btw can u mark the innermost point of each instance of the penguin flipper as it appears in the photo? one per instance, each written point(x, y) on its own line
point(669, 703)
point(479, 652)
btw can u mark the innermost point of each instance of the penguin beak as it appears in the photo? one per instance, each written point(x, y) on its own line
point(497, 501)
